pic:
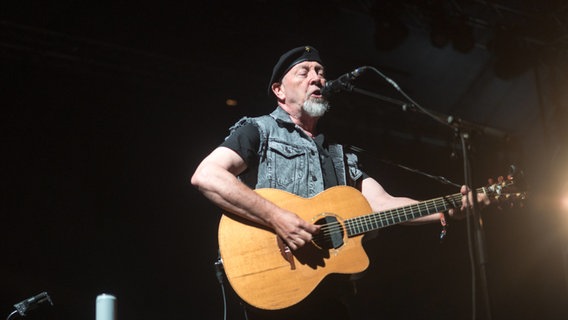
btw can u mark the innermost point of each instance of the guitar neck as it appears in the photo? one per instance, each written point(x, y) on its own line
point(377, 220)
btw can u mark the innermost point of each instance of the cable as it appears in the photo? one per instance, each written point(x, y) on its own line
point(26, 305)
point(12, 314)
point(224, 301)
point(220, 274)
point(466, 174)
point(218, 265)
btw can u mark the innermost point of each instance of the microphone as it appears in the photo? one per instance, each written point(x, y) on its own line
point(341, 83)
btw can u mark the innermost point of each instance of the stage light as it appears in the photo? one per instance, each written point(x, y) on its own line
point(564, 198)
point(231, 102)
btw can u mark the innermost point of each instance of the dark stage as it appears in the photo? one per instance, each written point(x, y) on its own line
point(107, 110)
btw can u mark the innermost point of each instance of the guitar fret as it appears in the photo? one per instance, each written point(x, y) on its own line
point(375, 221)
point(389, 217)
point(359, 226)
point(419, 209)
point(354, 227)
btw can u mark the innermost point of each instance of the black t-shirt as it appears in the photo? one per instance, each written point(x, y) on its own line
point(246, 141)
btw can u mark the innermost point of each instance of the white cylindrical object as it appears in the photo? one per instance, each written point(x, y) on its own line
point(106, 307)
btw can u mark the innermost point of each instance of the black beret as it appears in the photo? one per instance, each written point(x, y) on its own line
point(290, 59)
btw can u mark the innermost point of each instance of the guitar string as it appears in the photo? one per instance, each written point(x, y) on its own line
point(433, 205)
point(374, 221)
point(363, 223)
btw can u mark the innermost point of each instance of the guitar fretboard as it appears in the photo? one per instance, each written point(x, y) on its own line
point(378, 220)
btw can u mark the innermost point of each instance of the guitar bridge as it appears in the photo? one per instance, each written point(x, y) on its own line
point(286, 253)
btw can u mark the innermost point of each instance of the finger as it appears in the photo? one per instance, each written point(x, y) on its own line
point(465, 202)
point(312, 228)
point(291, 245)
point(298, 243)
point(485, 199)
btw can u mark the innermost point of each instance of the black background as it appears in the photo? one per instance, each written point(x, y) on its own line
point(107, 110)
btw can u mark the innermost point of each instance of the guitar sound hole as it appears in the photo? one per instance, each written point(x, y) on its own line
point(331, 233)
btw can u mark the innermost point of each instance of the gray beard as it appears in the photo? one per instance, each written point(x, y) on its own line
point(316, 107)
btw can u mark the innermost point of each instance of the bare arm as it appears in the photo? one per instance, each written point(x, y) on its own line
point(216, 178)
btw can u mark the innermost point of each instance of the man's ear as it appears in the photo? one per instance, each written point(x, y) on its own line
point(277, 89)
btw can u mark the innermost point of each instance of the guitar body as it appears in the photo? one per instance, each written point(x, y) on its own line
point(268, 276)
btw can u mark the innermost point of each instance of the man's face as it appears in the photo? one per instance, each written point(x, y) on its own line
point(301, 84)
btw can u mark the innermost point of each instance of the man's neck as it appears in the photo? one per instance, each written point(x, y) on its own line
point(307, 123)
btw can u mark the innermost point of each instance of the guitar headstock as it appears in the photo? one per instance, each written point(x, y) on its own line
point(505, 191)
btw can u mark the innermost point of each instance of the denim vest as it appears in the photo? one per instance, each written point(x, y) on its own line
point(289, 159)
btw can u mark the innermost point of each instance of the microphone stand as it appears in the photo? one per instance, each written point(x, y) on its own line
point(463, 129)
point(450, 120)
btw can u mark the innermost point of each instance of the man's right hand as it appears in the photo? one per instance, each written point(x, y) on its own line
point(293, 230)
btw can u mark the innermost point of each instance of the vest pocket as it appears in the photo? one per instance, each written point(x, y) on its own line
point(287, 164)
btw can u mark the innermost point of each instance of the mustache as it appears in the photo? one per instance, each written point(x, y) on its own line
point(321, 100)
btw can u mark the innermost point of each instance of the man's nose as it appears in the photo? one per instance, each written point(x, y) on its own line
point(315, 77)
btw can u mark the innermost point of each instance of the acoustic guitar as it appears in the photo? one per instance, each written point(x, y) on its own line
point(266, 274)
